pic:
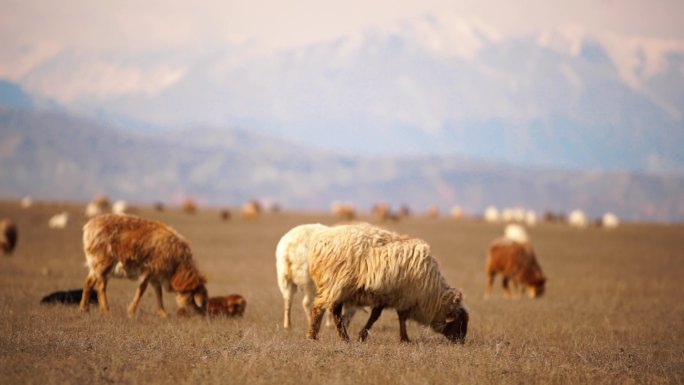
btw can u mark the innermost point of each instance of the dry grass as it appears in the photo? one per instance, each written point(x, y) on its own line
point(613, 312)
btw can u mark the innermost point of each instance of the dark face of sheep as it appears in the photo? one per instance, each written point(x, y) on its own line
point(195, 300)
point(537, 289)
point(456, 325)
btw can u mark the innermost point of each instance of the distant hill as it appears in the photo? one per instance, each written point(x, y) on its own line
point(50, 155)
point(436, 85)
point(13, 96)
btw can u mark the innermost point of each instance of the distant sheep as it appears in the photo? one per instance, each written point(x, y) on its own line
point(382, 212)
point(432, 212)
point(577, 218)
point(251, 210)
point(343, 211)
point(8, 236)
point(517, 233)
point(119, 207)
point(189, 206)
point(68, 297)
point(26, 202)
point(229, 306)
point(364, 265)
point(126, 246)
point(225, 215)
point(491, 214)
point(59, 221)
point(292, 268)
point(610, 221)
point(92, 209)
point(457, 213)
point(515, 261)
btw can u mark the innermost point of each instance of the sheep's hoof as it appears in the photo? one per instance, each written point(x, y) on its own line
point(363, 335)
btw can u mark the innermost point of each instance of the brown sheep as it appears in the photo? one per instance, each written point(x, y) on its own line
point(8, 236)
point(230, 306)
point(126, 246)
point(516, 262)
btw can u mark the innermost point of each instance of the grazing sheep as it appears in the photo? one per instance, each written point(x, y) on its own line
point(92, 209)
point(229, 306)
point(578, 219)
point(515, 261)
point(119, 207)
point(292, 268)
point(251, 210)
point(189, 206)
point(457, 213)
point(126, 246)
point(491, 214)
point(26, 202)
point(364, 265)
point(432, 212)
point(530, 218)
point(610, 221)
point(8, 236)
point(225, 215)
point(59, 221)
point(517, 233)
point(343, 211)
point(69, 297)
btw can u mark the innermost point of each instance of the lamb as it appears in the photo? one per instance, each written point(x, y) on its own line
point(67, 297)
point(229, 306)
point(364, 265)
point(513, 257)
point(8, 236)
point(292, 268)
point(126, 246)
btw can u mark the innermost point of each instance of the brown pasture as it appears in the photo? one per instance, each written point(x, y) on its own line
point(612, 312)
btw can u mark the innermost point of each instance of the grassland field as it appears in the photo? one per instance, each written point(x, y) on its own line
point(613, 312)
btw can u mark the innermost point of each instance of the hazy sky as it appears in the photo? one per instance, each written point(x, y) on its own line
point(106, 45)
point(130, 26)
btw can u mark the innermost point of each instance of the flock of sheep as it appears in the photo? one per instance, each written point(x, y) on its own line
point(338, 269)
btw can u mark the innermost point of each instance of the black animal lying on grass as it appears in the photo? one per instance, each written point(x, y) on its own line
point(69, 297)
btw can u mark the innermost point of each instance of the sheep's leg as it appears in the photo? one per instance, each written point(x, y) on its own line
point(101, 284)
point(403, 316)
point(336, 311)
point(506, 289)
point(133, 307)
point(375, 314)
point(87, 291)
point(317, 313)
point(288, 291)
point(349, 312)
point(158, 294)
point(490, 283)
point(307, 302)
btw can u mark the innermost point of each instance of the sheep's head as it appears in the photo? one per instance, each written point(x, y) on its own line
point(195, 300)
point(537, 288)
point(453, 323)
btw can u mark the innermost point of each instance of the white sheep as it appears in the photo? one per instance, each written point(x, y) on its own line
point(491, 214)
point(119, 207)
point(516, 233)
point(292, 268)
point(59, 221)
point(364, 265)
point(610, 221)
point(577, 218)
